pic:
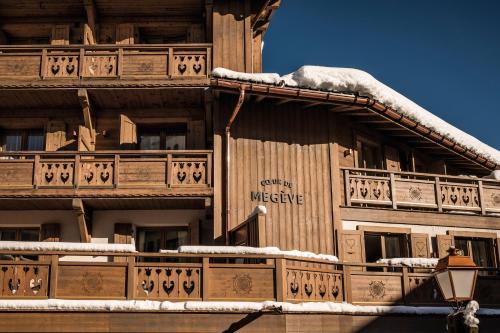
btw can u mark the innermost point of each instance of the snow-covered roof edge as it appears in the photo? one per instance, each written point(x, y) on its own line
point(348, 80)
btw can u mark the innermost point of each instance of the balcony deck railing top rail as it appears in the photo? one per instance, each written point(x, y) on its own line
point(46, 62)
point(219, 277)
point(410, 190)
point(111, 171)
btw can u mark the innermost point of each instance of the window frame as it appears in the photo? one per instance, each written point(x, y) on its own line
point(162, 130)
point(362, 140)
point(18, 231)
point(163, 230)
point(24, 133)
point(468, 236)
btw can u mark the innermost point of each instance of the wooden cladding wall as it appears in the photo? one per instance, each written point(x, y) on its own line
point(287, 144)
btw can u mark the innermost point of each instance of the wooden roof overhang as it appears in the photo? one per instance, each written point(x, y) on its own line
point(369, 111)
point(261, 20)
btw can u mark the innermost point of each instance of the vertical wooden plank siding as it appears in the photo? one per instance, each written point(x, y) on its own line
point(290, 144)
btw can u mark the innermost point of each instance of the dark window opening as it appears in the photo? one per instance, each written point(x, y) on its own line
point(369, 155)
point(166, 137)
point(23, 140)
point(384, 246)
point(480, 249)
point(161, 238)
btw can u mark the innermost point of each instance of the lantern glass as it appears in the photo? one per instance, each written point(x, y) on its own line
point(463, 282)
point(444, 281)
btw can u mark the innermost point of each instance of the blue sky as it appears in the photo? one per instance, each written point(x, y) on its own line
point(443, 54)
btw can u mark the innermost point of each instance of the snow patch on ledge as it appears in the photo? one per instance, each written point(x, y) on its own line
point(410, 262)
point(203, 249)
point(66, 246)
point(200, 306)
point(349, 80)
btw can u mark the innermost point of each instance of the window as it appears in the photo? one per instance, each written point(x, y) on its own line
point(481, 250)
point(22, 140)
point(369, 155)
point(168, 137)
point(385, 246)
point(164, 238)
point(20, 234)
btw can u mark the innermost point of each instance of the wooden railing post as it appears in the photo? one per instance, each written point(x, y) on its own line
point(119, 63)
point(346, 270)
point(36, 170)
point(116, 171)
point(169, 170)
point(43, 64)
point(405, 285)
point(347, 189)
point(280, 280)
point(81, 62)
point(131, 281)
point(54, 267)
point(209, 61)
point(481, 197)
point(205, 278)
point(208, 171)
point(170, 64)
point(439, 200)
point(393, 191)
point(76, 173)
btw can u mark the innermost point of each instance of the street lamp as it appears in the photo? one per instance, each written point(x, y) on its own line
point(456, 276)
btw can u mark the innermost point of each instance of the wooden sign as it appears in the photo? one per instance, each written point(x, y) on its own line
point(284, 196)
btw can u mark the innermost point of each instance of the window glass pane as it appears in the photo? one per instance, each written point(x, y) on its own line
point(373, 247)
point(482, 252)
point(150, 142)
point(461, 244)
point(29, 235)
point(175, 142)
point(175, 238)
point(13, 142)
point(35, 142)
point(393, 246)
point(7, 235)
point(150, 240)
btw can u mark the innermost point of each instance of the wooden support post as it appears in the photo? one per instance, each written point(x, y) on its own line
point(36, 170)
point(481, 196)
point(131, 281)
point(54, 267)
point(393, 191)
point(346, 189)
point(90, 36)
point(347, 283)
point(439, 199)
point(81, 220)
point(280, 283)
point(205, 278)
point(116, 171)
point(84, 99)
point(405, 285)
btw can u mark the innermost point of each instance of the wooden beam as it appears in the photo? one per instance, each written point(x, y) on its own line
point(345, 108)
point(90, 36)
point(259, 98)
point(81, 219)
point(83, 97)
point(283, 101)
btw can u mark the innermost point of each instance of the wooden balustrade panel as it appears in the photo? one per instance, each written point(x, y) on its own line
point(92, 282)
point(16, 173)
point(423, 290)
point(99, 65)
point(376, 288)
point(458, 196)
point(13, 66)
point(18, 281)
point(189, 65)
point(310, 285)
point(189, 173)
point(142, 172)
point(415, 193)
point(491, 198)
point(56, 173)
point(96, 173)
point(231, 283)
point(168, 282)
point(62, 65)
point(141, 64)
point(486, 292)
point(373, 191)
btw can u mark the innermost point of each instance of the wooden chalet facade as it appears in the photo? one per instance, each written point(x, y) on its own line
point(114, 131)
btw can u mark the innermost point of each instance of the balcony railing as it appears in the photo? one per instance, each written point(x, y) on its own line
point(222, 277)
point(106, 171)
point(105, 61)
point(380, 188)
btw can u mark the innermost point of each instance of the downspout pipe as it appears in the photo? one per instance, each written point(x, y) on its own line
point(236, 110)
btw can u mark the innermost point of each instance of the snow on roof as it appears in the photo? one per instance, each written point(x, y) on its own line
point(205, 306)
point(202, 249)
point(66, 246)
point(410, 262)
point(348, 80)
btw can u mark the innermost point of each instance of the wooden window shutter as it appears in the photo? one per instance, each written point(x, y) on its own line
point(60, 34)
point(50, 232)
point(392, 159)
point(444, 242)
point(55, 136)
point(194, 232)
point(352, 246)
point(128, 132)
point(85, 139)
point(419, 245)
point(123, 233)
point(196, 134)
point(125, 33)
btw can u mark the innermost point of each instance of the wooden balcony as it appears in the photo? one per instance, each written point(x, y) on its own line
point(408, 190)
point(218, 277)
point(106, 173)
point(88, 62)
